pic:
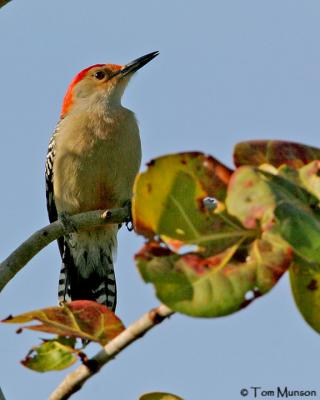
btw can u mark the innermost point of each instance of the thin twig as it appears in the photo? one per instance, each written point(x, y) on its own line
point(2, 395)
point(40, 239)
point(3, 3)
point(74, 381)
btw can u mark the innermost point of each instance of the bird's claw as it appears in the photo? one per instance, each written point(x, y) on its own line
point(128, 221)
point(129, 225)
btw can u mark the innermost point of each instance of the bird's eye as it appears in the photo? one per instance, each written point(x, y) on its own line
point(100, 75)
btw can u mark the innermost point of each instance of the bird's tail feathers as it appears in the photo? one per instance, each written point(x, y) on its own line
point(87, 271)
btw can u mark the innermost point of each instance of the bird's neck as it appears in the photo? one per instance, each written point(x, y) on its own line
point(99, 107)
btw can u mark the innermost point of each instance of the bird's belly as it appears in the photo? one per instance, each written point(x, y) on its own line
point(100, 178)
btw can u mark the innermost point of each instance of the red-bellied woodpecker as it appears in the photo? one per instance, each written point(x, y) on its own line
point(93, 158)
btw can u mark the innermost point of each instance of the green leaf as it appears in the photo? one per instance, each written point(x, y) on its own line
point(290, 174)
point(65, 340)
point(250, 198)
point(297, 216)
point(168, 201)
point(216, 285)
point(310, 177)
point(285, 186)
point(82, 318)
point(305, 285)
point(232, 264)
point(159, 396)
point(50, 356)
point(301, 228)
point(274, 152)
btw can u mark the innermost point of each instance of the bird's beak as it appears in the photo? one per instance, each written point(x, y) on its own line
point(134, 65)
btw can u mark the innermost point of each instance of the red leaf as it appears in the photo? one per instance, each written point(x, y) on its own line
point(82, 318)
point(274, 152)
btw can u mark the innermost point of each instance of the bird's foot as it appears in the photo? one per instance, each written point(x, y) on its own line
point(128, 221)
point(129, 226)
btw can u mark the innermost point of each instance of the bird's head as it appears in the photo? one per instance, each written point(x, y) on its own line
point(102, 82)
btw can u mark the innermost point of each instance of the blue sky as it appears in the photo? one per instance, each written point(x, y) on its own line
point(228, 71)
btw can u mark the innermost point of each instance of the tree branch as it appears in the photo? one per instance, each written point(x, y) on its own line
point(2, 395)
point(40, 239)
point(74, 381)
point(3, 3)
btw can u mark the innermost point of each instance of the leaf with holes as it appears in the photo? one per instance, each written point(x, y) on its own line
point(217, 285)
point(305, 285)
point(169, 201)
point(82, 318)
point(50, 356)
point(159, 396)
point(274, 152)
